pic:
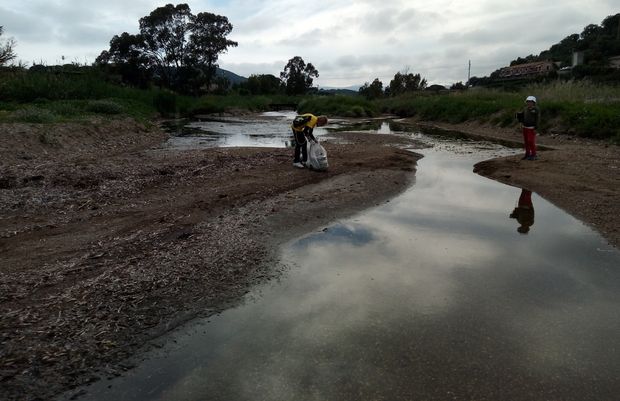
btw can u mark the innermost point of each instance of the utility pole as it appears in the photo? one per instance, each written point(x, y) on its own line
point(469, 72)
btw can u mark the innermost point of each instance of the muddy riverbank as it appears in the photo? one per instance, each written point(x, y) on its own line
point(109, 240)
point(582, 176)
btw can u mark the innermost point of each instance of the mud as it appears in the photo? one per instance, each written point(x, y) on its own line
point(108, 240)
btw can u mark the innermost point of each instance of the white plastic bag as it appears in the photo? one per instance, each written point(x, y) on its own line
point(317, 156)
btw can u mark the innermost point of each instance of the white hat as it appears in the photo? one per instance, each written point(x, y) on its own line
point(531, 98)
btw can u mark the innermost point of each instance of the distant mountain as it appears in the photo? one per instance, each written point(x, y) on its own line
point(339, 91)
point(231, 76)
point(354, 88)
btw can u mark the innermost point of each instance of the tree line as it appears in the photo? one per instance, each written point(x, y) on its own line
point(177, 49)
point(403, 82)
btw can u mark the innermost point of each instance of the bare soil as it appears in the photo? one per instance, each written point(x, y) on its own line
point(579, 175)
point(108, 239)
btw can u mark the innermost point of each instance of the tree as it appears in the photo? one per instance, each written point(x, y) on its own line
point(6, 49)
point(180, 49)
point(459, 86)
point(264, 84)
point(297, 76)
point(373, 90)
point(528, 59)
point(208, 40)
point(562, 51)
point(127, 58)
point(406, 82)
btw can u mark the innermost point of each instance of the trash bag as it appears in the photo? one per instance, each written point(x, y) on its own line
point(317, 156)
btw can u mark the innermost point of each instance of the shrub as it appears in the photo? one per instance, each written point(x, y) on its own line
point(66, 108)
point(207, 106)
point(165, 103)
point(346, 106)
point(104, 107)
point(34, 115)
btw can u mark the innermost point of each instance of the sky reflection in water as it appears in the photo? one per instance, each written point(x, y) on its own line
point(270, 129)
point(434, 295)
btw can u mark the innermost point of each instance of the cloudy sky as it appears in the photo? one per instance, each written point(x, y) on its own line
point(348, 42)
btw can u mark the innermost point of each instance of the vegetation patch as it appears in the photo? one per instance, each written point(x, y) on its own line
point(344, 106)
point(104, 107)
point(34, 115)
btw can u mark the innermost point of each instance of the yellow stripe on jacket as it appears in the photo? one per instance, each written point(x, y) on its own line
point(311, 123)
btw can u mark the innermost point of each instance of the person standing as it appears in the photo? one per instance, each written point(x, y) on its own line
point(530, 120)
point(302, 126)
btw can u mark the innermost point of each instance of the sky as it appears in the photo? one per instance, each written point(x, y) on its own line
point(349, 42)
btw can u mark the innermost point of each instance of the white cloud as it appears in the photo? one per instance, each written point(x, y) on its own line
point(348, 42)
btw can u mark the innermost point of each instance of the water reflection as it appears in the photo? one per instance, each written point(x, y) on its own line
point(270, 129)
point(430, 297)
point(524, 212)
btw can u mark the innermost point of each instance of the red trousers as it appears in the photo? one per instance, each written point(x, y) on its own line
point(525, 200)
point(529, 139)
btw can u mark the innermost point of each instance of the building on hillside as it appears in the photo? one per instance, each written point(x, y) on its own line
point(526, 71)
point(614, 62)
point(577, 58)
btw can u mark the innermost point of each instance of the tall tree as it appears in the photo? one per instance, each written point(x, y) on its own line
point(297, 76)
point(165, 35)
point(373, 90)
point(179, 47)
point(404, 82)
point(7, 52)
point(127, 58)
point(265, 84)
point(208, 39)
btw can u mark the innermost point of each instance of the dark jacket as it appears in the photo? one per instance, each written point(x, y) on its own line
point(531, 117)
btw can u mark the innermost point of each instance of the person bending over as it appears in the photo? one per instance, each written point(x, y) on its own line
point(302, 126)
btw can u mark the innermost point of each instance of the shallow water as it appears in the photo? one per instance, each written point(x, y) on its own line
point(431, 296)
point(270, 129)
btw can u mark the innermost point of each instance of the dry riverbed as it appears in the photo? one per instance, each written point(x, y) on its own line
point(108, 240)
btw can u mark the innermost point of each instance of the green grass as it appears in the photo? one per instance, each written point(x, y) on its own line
point(54, 97)
point(75, 96)
point(32, 114)
point(343, 106)
point(580, 108)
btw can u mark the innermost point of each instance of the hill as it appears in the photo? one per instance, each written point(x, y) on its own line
point(597, 42)
point(233, 78)
point(596, 45)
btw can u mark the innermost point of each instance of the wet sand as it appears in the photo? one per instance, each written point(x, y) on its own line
point(109, 240)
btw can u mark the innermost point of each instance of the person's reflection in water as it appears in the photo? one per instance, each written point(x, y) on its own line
point(524, 212)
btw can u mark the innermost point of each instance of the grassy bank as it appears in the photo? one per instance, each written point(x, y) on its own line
point(577, 108)
point(339, 105)
point(56, 97)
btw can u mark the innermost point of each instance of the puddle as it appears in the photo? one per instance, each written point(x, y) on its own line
point(435, 295)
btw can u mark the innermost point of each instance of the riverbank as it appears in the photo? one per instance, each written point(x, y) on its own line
point(580, 175)
point(110, 239)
